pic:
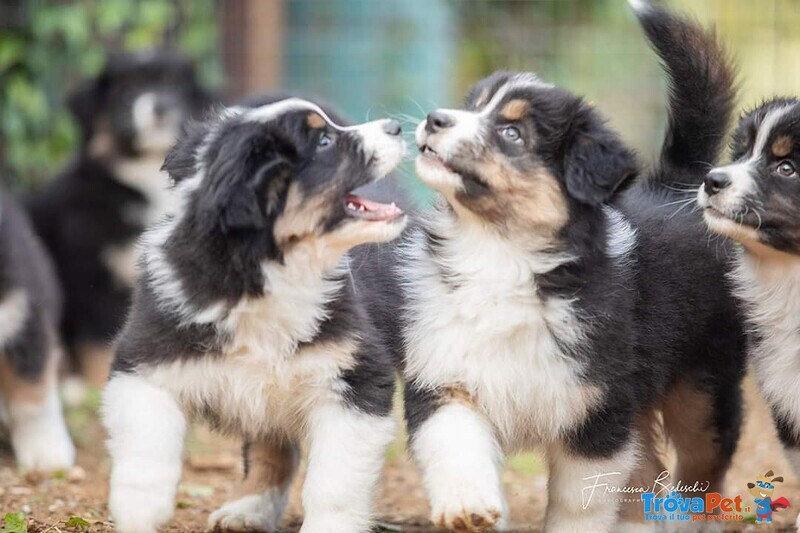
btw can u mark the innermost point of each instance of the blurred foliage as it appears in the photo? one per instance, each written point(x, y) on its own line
point(48, 46)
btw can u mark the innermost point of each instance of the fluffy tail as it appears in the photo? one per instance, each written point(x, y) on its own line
point(702, 88)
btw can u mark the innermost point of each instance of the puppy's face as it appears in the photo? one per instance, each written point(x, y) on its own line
point(520, 153)
point(285, 173)
point(138, 104)
point(756, 199)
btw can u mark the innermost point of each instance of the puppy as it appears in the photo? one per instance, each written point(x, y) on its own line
point(91, 215)
point(30, 307)
point(247, 315)
point(554, 301)
point(755, 200)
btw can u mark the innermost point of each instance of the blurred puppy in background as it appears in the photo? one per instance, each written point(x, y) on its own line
point(30, 306)
point(756, 200)
point(91, 215)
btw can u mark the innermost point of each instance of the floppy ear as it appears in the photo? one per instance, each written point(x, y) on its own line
point(84, 104)
point(751, 485)
point(248, 204)
point(769, 473)
point(778, 479)
point(596, 163)
point(181, 160)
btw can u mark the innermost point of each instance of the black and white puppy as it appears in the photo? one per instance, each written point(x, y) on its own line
point(91, 215)
point(756, 200)
point(248, 315)
point(553, 301)
point(30, 350)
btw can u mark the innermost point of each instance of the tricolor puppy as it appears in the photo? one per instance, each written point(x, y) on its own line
point(553, 301)
point(30, 306)
point(91, 215)
point(247, 315)
point(756, 200)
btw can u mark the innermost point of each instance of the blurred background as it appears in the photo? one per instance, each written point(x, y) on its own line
point(370, 58)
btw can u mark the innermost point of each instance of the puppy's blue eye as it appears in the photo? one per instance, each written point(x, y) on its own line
point(324, 141)
point(512, 134)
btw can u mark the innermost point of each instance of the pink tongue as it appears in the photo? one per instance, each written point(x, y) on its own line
point(375, 210)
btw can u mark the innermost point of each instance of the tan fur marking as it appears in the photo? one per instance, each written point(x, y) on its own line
point(457, 394)
point(270, 464)
point(301, 217)
point(15, 389)
point(688, 421)
point(95, 362)
point(514, 110)
point(530, 200)
point(315, 121)
point(782, 146)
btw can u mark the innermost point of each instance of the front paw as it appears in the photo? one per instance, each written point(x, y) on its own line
point(139, 510)
point(43, 448)
point(249, 513)
point(468, 512)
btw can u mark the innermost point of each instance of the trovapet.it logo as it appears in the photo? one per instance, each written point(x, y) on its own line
point(677, 507)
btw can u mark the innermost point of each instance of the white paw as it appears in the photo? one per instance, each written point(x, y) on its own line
point(256, 512)
point(469, 509)
point(41, 442)
point(139, 509)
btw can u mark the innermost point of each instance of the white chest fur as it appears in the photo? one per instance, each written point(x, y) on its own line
point(490, 333)
point(771, 289)
point(262, 382)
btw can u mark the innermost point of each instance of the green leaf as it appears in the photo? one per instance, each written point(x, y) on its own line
point(15, 523)
point(78, 523)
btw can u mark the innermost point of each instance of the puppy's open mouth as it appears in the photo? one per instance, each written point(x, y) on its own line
point(361, 208)
point(431, 154)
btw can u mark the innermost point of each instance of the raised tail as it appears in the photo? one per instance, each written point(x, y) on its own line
point(702, 89)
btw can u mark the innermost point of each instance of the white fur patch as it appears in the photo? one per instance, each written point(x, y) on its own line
point(255, 512)
point(461, 463)
point(640, 6)
point(621, 236)
point(13, 313)
point(39, 435)
point(146, 429)
point(489, 333)
point(154, 133)
point(345, 460)
point(771, 288)
point(144, 174)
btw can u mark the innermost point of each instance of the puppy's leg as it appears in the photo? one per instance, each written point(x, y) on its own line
point(94, 359)
point(261, 499)
point(650, 468)
point(577, 501)
point(788, 426)
point(704, 425)
point(146, 428)
point(460, 458)
point(345, 460)
point(28, 382)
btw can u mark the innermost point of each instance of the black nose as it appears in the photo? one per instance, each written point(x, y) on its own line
point(438, 121)
point(715, 181)
point(392, 127)
point(160, 108)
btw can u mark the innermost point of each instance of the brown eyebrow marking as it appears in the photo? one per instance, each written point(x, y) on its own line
point(482, 97)
point(315, 121)
point(514, 110)
point(782, 146)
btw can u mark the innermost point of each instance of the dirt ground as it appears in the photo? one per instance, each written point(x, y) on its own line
point(212, 469)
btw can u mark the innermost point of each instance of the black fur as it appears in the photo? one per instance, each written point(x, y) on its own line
point(25, 266)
